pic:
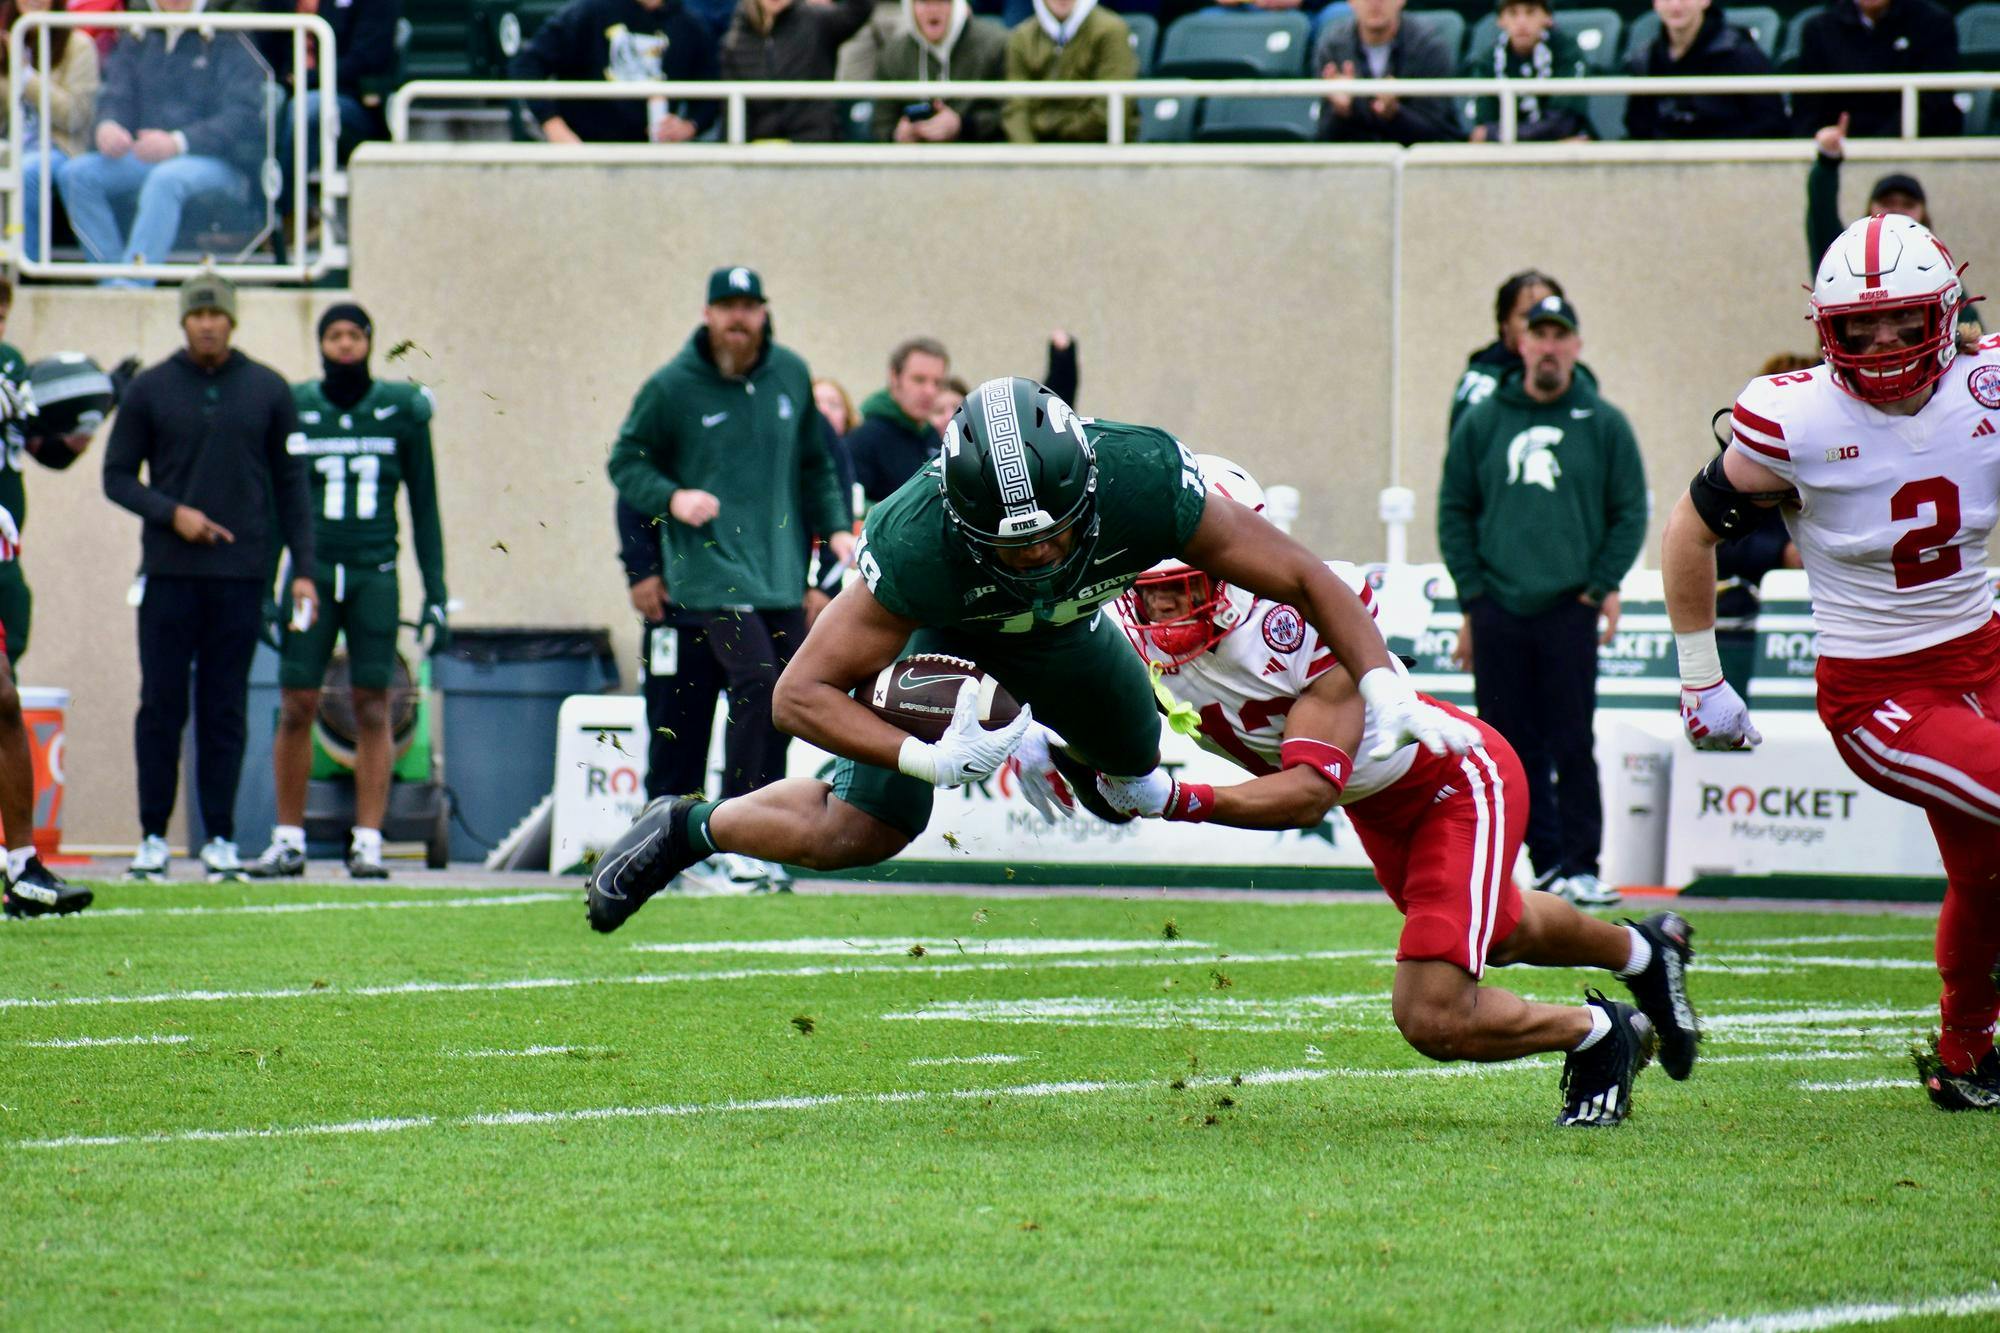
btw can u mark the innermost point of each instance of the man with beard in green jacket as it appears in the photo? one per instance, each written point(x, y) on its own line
point(723, 448)
point(1541, 512)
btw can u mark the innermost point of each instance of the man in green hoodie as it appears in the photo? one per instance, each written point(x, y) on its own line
point(1541, 512)
point(722, 448)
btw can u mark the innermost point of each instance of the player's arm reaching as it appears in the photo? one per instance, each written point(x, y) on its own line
point(1321, 733)
point(853, 639)
point(1235, 545)
point(1724, 500)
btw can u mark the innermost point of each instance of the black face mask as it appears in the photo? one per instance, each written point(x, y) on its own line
point(346, 385)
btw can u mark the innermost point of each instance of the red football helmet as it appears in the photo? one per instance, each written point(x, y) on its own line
point(1891, 266)
point(1214, 607)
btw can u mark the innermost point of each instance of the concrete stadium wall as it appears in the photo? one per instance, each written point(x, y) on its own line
point(1251, 307)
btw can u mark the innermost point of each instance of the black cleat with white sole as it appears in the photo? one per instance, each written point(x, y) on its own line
point(1661, 990)
point(643, 861)
point(40, 892)
point(1975, 1090)
point(1597, 1083)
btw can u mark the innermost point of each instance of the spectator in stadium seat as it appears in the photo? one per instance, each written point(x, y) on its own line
point(1540, 514)
point(1897, 192)
point(1485, 368)
point(364, 41)
point(71, 85)
point(179, 117)
point(222, 493)
point(106, 38)
point(1878, 37)
point(942, 39)
point(1695, 40)
point(1529, 47)
point(1066, 41)
point(791, 40)
point(895, 437)
point(623, 41)
point(1375, 42)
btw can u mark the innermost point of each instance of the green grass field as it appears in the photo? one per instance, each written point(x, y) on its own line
point(460, 1108)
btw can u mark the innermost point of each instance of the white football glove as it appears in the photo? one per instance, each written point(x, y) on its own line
point(1147, 797)
point(1716, 718)
point(1042, 786)
point(17, 400)
point(1401, 718)
point(967, 752)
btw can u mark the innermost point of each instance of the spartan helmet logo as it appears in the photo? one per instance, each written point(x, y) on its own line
point(1531, 458)
point(739, 279)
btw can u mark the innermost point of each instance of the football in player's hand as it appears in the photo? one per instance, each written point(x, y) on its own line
point(918, 693)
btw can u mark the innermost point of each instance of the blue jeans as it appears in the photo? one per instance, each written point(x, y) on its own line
point(31, 194)
point(90, 183)
point(354, 125)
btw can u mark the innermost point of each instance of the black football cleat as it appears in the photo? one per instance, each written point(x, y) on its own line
point(39, 892)
point(643, 861)
point(1661, 990)
point(1976, 1090)
point(1082, 780)
point(1597, 1083)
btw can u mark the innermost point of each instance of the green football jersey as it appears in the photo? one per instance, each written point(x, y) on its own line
point(356, 460)
point(1150, 499)
point(13, 488)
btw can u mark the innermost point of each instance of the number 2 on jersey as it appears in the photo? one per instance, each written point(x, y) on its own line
point(367, 469)
point(1925, 555)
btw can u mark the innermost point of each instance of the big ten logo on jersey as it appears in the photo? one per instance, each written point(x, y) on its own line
point(1841, 453)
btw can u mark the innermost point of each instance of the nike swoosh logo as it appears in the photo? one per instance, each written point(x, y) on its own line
point(384, 413)
point(1579, 413)
point(716, 420)
point(1106, 559)
point(608, 873)
point(910, 682)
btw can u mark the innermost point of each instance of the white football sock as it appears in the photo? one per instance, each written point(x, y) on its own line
point(1641, 957)
point(17, 861)
point(368, 840)
point(1600, 1027)
point(288, 835)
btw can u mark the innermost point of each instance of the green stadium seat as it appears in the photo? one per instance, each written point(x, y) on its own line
point(1978, 109)
point(500, 28)
point(1145, 40)
point(1260, 119)
point(1167, 119)
point(1795, 28)
point(440, 39)
point(1596, 32)
point(1446, 23)
point(1218, 44)
point(1607, 116)
point(1979, 37)
point(1761, 22)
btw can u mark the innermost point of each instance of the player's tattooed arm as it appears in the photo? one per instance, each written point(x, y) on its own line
point(853, 638)
point(1322, 732)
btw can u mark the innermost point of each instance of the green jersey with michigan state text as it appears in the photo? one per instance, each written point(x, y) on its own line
point(356, 459)
point(1150, 498)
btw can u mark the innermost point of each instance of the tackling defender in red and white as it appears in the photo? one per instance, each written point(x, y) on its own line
point(1443, 832)
point(1886, 458)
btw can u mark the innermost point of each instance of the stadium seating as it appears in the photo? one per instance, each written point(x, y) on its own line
point(1260, 119)
point(1978, 109)
point(1167, 119)
point(1446, 23)
point(1145, 40)
point(1217, 44)
point(1339, 9)
point(1596, 32)
point(441, 33)
point(1761, 22)
point(500, 28)
point(1795, 28)
point(1979, 37)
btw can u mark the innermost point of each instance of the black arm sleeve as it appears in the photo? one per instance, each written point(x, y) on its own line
point(1062, 378)
point(638, 544)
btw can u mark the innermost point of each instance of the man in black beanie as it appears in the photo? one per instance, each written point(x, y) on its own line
point(361, 438)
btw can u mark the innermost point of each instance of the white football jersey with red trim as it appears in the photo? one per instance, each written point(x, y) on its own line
point(1893, 512)
point(1244, 687)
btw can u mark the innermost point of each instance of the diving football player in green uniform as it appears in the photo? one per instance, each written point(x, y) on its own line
point(1003, 550)
point(362, 439)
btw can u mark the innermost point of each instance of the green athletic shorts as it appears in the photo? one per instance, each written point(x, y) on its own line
point(17, 608)
point(361, 603)
point(1084, 682)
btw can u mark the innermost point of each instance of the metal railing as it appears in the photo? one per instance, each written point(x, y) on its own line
point(1118, 94)
point(306, 267)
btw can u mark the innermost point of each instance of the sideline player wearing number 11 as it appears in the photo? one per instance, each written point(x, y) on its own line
point(1887, 460)
point(1005, 550)
point(362, 438)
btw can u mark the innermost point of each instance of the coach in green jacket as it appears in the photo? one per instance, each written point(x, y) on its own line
point(1541, 512)
point(722, 447)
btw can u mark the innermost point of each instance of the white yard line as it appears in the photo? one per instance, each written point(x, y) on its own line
point(1859, 1084)
point(923, 1061)
point(1845, 1316)
point(527, 1050)
point(1734, 962)
point(1788, 941)
point(336, 905)
point(71, 1042)
point(886, 946)
point(914, 967)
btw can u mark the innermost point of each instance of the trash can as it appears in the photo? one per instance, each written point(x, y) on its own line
point(502, 689)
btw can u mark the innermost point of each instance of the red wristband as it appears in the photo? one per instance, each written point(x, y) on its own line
point(1329, 761)
point(1192, 803)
